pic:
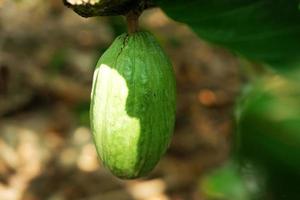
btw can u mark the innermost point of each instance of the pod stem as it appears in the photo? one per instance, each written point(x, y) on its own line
point(132, 18)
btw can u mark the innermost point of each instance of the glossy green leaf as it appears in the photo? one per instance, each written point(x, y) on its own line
point(266, 31)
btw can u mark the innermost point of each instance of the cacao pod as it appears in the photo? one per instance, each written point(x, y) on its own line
point(133, 105)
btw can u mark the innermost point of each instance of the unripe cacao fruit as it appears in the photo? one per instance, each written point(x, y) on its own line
point(133, 105)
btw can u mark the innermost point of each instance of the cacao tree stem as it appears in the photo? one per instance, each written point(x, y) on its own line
point(132, 18)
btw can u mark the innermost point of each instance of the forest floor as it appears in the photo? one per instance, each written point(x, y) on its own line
point(47, 57)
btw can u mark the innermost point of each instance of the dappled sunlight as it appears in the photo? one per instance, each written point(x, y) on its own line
point(68, 157)
point(29, 157)
point(20, 157)
point(87, 160)
point(147, 189)
point(81, 135)
point(8, 154)
point(80, 151)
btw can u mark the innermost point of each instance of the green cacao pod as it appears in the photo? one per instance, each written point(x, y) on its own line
point(133, 105)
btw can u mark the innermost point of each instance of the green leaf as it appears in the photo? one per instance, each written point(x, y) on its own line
point(266, 31)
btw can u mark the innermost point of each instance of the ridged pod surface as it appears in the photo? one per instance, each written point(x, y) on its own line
point(133, 104)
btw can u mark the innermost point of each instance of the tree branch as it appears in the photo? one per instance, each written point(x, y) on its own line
point(91, 8)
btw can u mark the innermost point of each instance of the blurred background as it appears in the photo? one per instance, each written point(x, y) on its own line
point(47, 57)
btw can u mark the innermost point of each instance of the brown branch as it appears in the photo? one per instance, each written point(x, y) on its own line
point(91, 8)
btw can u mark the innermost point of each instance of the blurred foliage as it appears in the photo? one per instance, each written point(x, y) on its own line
point(82, 113)
point(58, 60)
point(283, 184)
point(234, 182)
point(262, 30)
point(268, 120)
